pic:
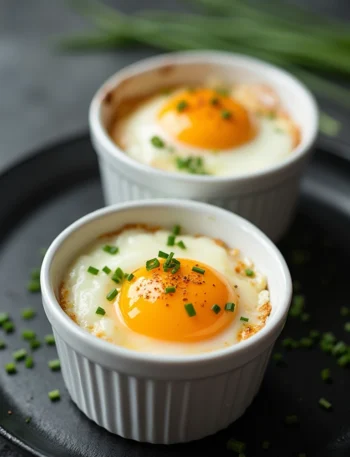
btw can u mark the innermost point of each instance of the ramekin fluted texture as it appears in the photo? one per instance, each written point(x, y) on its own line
point(265, 197)
point(153, 397)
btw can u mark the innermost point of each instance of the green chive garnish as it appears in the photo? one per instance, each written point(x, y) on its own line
point(21, 354)
point(181, 244)
point(2, 344)
point(157, 142)
point(339, 349)
point(170, 290)
point(130, 277)
point(112, 294)
point(182, 105)
point(118, 275)
point(297, 307)
point(265, 445)
point(249, 272)
point(306, 342)
point(29, 362)
point(222, 91)
point(100, 311)
point(329, 337)
point(347, 327)
point(244, 319)
point(50, 339)
point(28, 313)
point(344, 311)
point(54, 365)
point(305, 317)
point(314, 334)
point(33, 286)
point(326, 346)
point(235, 446)
point(34, 344)
point(176, 230)
point(8, 327)
point(171, 240)
point(291, 420)
point(28, 335)
point(326, 375)
point(277, 357)
point(288, 343)
point(163, 255)
point(106, 270)
point(198, 270)
point(4, 317)
point(230, 307)
point(35, 273)
point(344, 360)
point(175, 269)
point(214, 101)
point(93, 270)
point(110, 249)
point(190, 309)
point(54, 395)
point(28, 419)
point(325, 404)
point(152, 263)
point(11, 368)
point(225, 114)
point(216, 309)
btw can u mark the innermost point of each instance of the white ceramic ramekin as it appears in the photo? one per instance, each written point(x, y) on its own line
point(267, 197)
point(159, 398)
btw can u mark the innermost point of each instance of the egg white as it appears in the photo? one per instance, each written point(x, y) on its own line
point(84, 292)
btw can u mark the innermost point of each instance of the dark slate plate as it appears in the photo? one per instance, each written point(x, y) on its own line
point(44, 194)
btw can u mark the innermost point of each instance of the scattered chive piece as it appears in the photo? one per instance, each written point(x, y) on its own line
point(130, 277)
point(339, 349)
point(249, 272)
point(169, 259)
point(289, 343)
point(265, 445)
point(118, 275)
point(11, 368)
point(182, 105)
point(106, 270)
point(344, 360)
point(112, 294)
point(344, 311)
point(35, 273)
point(175, 269)
point(28, 313)
point(326, 346)
point(216, 309)
point(171, 240)
point(325, 404)
point(21, 354)
point(176, 230)
point(181, 244)
point(329, 337)
point(100, 311)
point(157, 142)
point(34, 344)
point(244, 319)
point(93, 270)
point(110, 249)
point(277, 357)
point(214, 101)
point(314, 334)
point(198, 270)
point(28, 419)
point(54, 395)
point(170, 290)
point(225, 114)
point(54, 365)
point(33, 285)
point(4, 317)
point(305, 317)
point(29, 362)
point(50, 339)
point(326, 375)
point(230, 306)
point(306, 342)
point(190, 309)
point(163, 255)
point(152, 263)
point(347, 326)
point(235, 446)
point(8, 326)
point(2, 344)
point(126, 275)
point(297, 307)
point(291, 420)
point(28, 335)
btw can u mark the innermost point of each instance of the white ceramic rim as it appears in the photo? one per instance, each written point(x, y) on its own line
point(100, 133)
point(269, 332)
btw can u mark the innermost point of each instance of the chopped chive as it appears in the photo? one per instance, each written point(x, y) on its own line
point(214, 101)
point(288, 343)
point(8, 326)
point(216, 309)
point(176, 230)
point(325, 404)
point(314, 334)
point(181, 244)
point(190, 309)
point(182, 105)
point(34, 286)
point(126, 275)
point(344, 311)
point(50, 339)
point(326, 346)
point(344, 360)
point(100, 311)
point(28, 420)
point(11, 368)
point(2, 344)
point(235, 446)
point(198, 270)
point(175, 269)
point(291, 420)
point(54, 395)
point(28, 335)
point(306, 342)
point(157, 142)
point(225, 114)
point(118, 275)
point(110, 249)
point(34, 344)
point(244, 319)
point(21, 354)
point(339, 349)
point(106, 270)
point(326, 375)
point(305, 317)
point(265, 445)
point(29, 362)
point(54, 365)
point(230, 307)
point(35, 273)
point(277, 357)
point(130, 277)
point(4, 317)
point(249, 272)
point(28, 313)
point(171, 240)
point(347, 327)
point(297, 307)
point(329, 337)
point(170, 290)
point(152, 263)
point(163, 255)
point(112, 294)
point(169, 259)
point(93, 270)
point(222, 91)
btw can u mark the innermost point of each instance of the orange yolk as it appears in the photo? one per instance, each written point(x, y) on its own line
point(147, 309)
point(205, 119)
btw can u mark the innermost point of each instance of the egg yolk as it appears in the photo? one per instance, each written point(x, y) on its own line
point(149, 308)
point(205, 119)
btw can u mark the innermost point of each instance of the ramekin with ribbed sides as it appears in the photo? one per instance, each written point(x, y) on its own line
point(162, 397)
point(265, 194)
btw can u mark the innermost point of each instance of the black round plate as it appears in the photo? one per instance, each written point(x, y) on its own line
point(44, 194)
